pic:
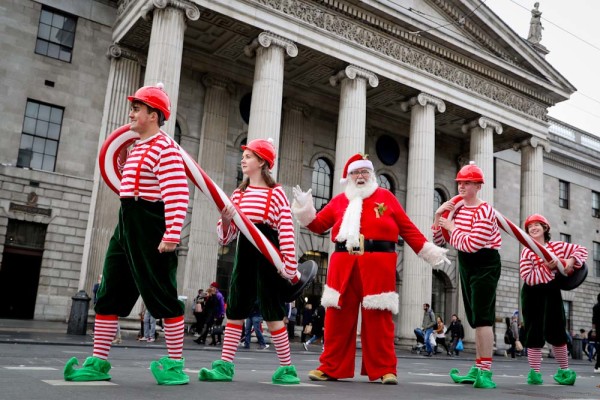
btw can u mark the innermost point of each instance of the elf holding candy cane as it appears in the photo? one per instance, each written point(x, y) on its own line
point(475, 234)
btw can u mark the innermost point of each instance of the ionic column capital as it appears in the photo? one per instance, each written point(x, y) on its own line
point(483, 123)
point(115, 50)
point(212, 80)
point(424, 99)
point(192, 12)
point(352, 72)
point(267, 39)
point(533, 142)
point(295, 105)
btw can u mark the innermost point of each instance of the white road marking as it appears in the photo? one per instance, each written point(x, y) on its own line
point(301, 384)
point(26, 368)
point(435, 384)
point(66, 383)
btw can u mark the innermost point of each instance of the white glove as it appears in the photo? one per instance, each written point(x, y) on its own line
point(302, 198)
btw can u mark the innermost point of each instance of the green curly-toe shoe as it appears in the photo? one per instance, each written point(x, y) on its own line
point(222, 371)
point(565, 377)
point(168, 371)
point(484, 380)
point(470, 377)
point(285, 375)
point(93, 369)
point(534, 378)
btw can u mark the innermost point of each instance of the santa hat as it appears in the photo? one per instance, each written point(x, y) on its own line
point(355, 162)
point(215, 285)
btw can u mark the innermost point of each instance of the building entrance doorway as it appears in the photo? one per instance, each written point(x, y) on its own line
point(20, 269)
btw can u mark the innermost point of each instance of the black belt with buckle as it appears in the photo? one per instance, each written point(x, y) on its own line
point(372, 246)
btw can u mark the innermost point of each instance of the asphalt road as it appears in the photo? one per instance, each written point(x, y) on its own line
point(31, 371)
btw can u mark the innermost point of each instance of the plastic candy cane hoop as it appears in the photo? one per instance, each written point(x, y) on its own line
point(122, 137)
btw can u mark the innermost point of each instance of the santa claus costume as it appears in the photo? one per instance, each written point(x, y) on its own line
point(365, 223)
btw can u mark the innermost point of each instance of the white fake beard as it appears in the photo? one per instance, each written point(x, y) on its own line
point(350, 228)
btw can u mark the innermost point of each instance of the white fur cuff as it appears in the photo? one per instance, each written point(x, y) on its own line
point(304, 214)
point(330, 298)
point(434, 255)
point(384, 301)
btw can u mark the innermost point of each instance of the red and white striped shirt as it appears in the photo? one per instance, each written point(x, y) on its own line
point(254, 202)
point(475, 229)
point(154, 171)
point(532, 268)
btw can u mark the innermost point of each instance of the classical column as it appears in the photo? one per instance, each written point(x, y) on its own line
point(166, 48)
point(295, 124)
point(123, 80)
point(532, 175)
point(267, 89)
point(482, 151)
point(416, 277)
point(201, 261)
point(352, 116)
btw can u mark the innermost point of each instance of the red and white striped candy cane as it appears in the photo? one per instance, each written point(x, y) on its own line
point(514, 231)
point(123, 137)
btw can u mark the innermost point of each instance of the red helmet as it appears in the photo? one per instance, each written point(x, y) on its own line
point(536, 218)
point(264, 149)
point(155, 97)
point(470, 173)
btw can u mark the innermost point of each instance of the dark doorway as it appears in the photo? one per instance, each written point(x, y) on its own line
point(20, 269)
point(19, 279)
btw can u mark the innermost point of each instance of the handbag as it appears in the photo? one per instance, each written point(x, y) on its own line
point(307, 329)
point(459, 345)
point(217, 330)
point(518, 345)
point(198, 307)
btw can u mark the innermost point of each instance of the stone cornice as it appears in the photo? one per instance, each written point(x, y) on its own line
point(192, 12)
point(352, 72)
point(340, 19)
point(266, 39)
point(424, 99)
point(483, 123)
point(560, 159)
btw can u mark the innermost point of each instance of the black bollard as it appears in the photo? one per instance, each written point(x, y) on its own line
point(79, 313)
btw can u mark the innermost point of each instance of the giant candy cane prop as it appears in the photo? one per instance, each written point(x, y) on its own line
point(123, 137)
point(515, 232)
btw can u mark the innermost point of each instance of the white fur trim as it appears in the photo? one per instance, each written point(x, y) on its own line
point(433, 254)
point(350, 228)
point(384, 301)
point(330, 298)
point(358, 164)
point(306, 214)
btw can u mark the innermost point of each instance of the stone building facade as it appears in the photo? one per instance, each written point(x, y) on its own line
point(325, 79)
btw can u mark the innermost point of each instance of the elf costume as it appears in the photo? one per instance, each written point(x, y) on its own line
point(543, 310)
point(154, 197)
point(365, 224)
point(254, 279)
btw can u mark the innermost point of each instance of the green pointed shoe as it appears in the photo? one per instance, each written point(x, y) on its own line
point(93, 369)
point(470, 377)
point(534, 378)
point(285, 375)
point(168, 371)
point(484, 380)
point(565, 377)
point(222, 371)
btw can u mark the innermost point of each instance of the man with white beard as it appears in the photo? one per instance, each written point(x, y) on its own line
point(365, 223)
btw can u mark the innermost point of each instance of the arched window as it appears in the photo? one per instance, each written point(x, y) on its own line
point(385, 182)
point(438, 199)
point(240, 174)
point(321, 183)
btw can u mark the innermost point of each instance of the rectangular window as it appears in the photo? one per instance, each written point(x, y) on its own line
point(56, 34)
point(40, 136)
point(595, 204)
point(565, 238)
point(596, 257)
point(568, 306)
point(563, 194)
